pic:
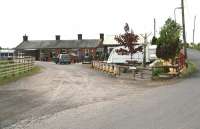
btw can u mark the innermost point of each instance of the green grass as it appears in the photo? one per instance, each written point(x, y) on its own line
point(6, 80)
point(191, 68)
point(5, 62)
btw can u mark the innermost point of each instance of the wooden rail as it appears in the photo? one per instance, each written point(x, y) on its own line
point(173, 71)
point(16, 66)
point(114, 69)
point(111, 69)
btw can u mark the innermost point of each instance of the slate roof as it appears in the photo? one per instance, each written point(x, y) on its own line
point(39, 44)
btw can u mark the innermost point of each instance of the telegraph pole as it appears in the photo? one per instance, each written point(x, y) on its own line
point(194, 28)
point(154, 28)
point(183, 22)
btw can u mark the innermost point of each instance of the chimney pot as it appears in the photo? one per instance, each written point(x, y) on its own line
point(79, 36)
point(57, 37)
point(25, 38)
point(102, 36)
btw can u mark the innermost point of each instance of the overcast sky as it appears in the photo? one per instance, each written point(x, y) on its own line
point(43, 19)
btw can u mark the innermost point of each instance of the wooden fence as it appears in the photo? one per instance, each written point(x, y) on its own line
point(106, 68)
point(180, 61)
point(113, 69)
point(16, 66)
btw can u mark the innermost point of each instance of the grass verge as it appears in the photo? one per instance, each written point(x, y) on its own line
point(191, 68)
point(9, 79)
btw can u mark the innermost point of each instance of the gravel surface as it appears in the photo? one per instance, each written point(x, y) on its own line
point(58, 88)
point(174, 106)
point(76, 97)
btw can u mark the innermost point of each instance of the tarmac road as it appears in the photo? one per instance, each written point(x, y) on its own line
point(175, 106)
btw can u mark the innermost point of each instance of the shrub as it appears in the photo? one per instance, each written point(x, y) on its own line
point(157, 71)
point(154, 40)
point(160, 70)
point(191, 68)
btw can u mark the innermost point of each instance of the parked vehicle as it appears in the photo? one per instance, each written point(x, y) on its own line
point(116, 58)
point(63, 59)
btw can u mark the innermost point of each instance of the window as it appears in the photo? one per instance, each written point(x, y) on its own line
point(86, 52)
point(10, 54)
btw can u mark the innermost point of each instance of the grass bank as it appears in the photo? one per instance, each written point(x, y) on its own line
point(6, 80)
point(191, 68)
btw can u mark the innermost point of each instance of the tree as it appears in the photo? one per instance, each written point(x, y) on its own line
point(0, 47)
point(169, 40)
point(128, 40)
point(154, 40)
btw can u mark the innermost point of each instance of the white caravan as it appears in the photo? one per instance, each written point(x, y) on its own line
point(115, 58)
point(6, 54)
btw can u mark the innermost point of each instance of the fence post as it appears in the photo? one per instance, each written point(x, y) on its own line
point(28, 64)
point(13, 70)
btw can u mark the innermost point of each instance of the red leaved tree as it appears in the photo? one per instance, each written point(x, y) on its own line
point(129, 40)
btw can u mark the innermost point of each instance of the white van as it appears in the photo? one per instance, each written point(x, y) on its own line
point(115, 58)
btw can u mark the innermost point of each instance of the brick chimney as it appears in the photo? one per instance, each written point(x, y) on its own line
point(25, 38)
point(79, 36)
point(57, 37)
point(101, 36)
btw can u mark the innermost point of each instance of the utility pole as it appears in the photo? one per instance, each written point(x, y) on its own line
point(183, 22)
point(194, 28)
point(154, 34)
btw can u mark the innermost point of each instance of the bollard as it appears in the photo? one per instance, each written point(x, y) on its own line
point(107, 68)
point(101, 67)
point(104, 67)
point(116, 70)
point(110, 69)
point(95, 65)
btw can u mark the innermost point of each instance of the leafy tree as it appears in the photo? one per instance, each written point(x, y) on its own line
point(0, 47)
point(154, 40)
point(169, 40)
point(128, 40)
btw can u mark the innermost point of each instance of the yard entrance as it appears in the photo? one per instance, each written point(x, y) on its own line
point(58, 88)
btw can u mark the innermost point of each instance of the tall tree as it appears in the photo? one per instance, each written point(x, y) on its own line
point(169, 40)
point(128, 40)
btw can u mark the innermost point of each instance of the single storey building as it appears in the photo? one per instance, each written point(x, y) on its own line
point(46, 50)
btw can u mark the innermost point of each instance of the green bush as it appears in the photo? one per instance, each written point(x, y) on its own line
point(157, 71)
point(191, 68)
